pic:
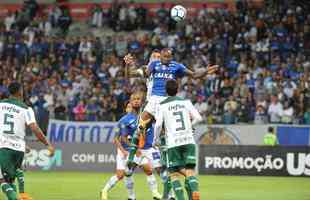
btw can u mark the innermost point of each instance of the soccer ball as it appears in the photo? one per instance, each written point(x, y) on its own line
point(178, 13)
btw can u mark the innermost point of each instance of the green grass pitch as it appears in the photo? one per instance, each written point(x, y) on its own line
point(86, 186)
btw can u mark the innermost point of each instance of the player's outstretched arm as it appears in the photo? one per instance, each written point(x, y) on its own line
point(133, 69)
point(211, 69)
point(195, 115)
point(40, 136)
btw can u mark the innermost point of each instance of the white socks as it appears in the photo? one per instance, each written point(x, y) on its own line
point(129, 185)
point(111, 183)
point(151, 181)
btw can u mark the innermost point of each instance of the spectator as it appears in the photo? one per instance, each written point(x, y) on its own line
point(9, 21)
point(275, 110)
point(201, 106)
point(97, 16)
point(80, 111)
point(260, 115)
point(307, 116)
point(287, 113)
point(92, 110)
point(64, 21)
point(243, 111)
point(60, 111)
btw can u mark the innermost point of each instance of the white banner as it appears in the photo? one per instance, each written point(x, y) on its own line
point(81, 132)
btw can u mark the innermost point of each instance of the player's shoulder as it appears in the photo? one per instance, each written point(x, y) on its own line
point(174, 63)
point(128, 118)
point(15, 102)
point(154, 63)
point(172, 99)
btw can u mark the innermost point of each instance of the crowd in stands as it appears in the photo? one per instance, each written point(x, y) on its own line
point(263, 54)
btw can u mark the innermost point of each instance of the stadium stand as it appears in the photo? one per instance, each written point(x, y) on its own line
point(73, 70)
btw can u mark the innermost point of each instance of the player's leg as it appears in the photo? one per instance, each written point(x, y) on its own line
point(155, 158)
point(120, 173)
point(175, 163)
point(8, 171)
point(151, 179)
point(129, 183)
point(21, 185)
point(176, 185)
point(164, 174)
point(144, 119)
point(190, 163)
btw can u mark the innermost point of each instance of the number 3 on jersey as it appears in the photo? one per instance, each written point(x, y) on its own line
point(179, 119)
point(8, 122)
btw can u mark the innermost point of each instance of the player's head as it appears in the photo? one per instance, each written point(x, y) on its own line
point(171, 87)
point(136, 100)
point(155, 55)
point(128, 108)
point(15, 89)
point(166, 55)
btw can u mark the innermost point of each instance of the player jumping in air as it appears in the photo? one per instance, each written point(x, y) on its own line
point(177, 116)
point(160, 71)
point(127, 126)
point(14, 117)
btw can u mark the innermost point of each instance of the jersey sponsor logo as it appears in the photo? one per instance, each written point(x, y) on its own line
point(176, 107)
point(10, 109)
point(163, 75)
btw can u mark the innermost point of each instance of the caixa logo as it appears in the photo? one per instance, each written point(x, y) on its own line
point(40, 159)
point(298, 164)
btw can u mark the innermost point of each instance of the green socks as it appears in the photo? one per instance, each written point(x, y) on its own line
point(193, 183)
point(167, 188)
point(133, 148)
point(21, 180)
point(9, 191)
point(178, 190)
point(188, 189)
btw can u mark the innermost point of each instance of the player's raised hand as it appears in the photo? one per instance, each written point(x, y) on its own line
point(129, 60)
point(211, 69)
point(51, 150)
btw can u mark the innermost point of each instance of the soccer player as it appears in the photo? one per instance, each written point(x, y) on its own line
point(127, 126)
point(157, 164)
point(178, 115)
point(160, 71)
point(14, 117)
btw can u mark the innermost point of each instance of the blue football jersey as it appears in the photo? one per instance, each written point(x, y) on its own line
point(127, 126)
point(161, 73)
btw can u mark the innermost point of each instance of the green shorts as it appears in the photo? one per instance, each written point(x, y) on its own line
point(10, 161)
point(181, 157)
point(163, 158)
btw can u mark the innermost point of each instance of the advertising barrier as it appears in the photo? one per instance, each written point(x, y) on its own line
point(72, 157)
point(104, 132)
point(294, 135)
point(254, 160)
point(81, 132)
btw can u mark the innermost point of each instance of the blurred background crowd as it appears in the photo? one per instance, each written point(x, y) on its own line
point(263, 54)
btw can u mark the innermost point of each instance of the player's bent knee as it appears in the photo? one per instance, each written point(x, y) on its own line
point(190, 170)
point(147, 170)
point(120, 174)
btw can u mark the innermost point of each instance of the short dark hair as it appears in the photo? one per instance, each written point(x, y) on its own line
point(171, 87)
point(270, 129)
point(14, 88)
